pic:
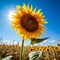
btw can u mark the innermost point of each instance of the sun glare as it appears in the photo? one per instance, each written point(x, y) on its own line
point(10, 15)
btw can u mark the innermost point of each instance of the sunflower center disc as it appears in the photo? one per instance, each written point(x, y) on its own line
point(29, 23)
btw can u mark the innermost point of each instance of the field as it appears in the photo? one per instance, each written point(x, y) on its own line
point(49, 52)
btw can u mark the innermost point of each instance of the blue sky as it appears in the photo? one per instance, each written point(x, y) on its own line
point(51, 9)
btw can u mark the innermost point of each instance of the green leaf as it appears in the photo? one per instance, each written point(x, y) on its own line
point(33, 40)
point(34, 55)
point(7, 58)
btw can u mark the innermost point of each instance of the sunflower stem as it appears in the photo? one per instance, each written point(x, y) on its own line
point(22, 50)
point(0, 57)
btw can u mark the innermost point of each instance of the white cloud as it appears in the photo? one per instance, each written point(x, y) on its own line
point(49, 42)
point(7, 41)
point(10, 42)
point(53, 41)
point(46, 42)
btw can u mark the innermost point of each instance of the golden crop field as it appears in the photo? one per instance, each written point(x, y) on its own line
point(49, 52)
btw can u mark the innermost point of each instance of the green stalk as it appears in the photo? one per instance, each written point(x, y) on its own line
point(0, 57)
point(22, 51)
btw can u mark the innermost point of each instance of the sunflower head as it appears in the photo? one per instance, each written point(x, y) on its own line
point(28, 22)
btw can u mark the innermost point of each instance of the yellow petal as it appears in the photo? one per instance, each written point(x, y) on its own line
point(18, 7)
point(31, 7)
point(41, 13)
point(46, 22)
point(38, 12)
point(25, 8)
point(34, 10)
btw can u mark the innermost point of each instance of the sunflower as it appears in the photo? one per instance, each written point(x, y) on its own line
point(28, 22)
